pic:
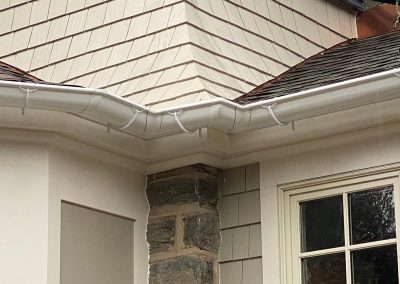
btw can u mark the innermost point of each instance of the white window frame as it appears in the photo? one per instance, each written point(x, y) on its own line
point(291, 194)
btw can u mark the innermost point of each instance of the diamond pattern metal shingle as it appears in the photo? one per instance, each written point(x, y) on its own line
point(348, 60)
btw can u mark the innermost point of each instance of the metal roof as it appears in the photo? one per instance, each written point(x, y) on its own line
point(348, 60)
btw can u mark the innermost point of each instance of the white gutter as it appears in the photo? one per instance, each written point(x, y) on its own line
point(221, 114)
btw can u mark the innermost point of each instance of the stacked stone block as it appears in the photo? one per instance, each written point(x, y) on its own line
point(184, 226)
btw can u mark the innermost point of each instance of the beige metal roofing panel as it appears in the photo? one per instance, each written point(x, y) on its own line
point(41, 56)
point(102, 77)
point(85, 80)
point(20, 40)
point(45, 73)
point(274, 12)
point(138, 25)
point(181, 88)
point(133, 8)
point(166, 58)
point(4, 4)
point(79, 44)
point(21, 16)
point(233, 14)
point(114, 10)
point(162, 41)
point(6, 43)
point(92, 2)
point(187, 98)
point(96, 16)
point(223, 79)
point(39, 34)
point(143, 66)
point(171, 75)
point(99, 59)
point(140, 47)
point(24, 59)
point(177, 15)
point(6, 20)
point(98, 38)
point(149, 81)
point(119, 53)
point(16, 2)
point(61, 71)
point(151, 4)
point(118, 32)
point(73, 5)
point(159, 19)
point(80, 65)
point(40, 10)
point(122, 72)
point(248, 20)
point(58, 28)
point(76, 22)
point(57, 8)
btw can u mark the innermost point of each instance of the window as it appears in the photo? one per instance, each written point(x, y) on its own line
point(342, 231)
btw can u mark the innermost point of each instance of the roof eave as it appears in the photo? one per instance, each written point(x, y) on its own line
point(221, 114)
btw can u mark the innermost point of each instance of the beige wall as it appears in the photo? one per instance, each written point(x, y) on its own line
point(35, 178)
point(96, 247)
point(319, 158)
point(239, 205)
point(24, 175)
point(167, 52)
point(107, 187)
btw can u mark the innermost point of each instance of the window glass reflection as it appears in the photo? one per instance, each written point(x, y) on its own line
point(372, 215)
point(375, 266)
point(322, 223)
point(326, 269)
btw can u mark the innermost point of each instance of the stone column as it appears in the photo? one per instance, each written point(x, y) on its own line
point(184, 227)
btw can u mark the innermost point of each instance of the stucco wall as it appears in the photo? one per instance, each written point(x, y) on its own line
point(107, 187)
point(35, 177)
point(318, 158)
point(167, 52)
point(24, 175)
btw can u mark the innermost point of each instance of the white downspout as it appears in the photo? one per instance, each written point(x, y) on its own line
point(221, 114)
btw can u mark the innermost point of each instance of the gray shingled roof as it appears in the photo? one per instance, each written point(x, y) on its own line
point(348, 60)
point(11, 73)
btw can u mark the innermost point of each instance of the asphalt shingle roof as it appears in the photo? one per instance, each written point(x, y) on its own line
point(11, 73)
point(348, 60)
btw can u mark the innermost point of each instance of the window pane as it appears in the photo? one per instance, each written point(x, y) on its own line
point(372, 215)
point(322, 223)
point(376, 265)
point(327, 269)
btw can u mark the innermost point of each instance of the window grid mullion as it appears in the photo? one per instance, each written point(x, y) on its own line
point(346, 216)
point(348, 248)
point(396, 198)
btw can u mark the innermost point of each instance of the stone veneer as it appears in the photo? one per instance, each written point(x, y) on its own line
point(184, 226)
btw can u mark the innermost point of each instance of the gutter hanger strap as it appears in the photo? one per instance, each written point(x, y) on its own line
point(271, 112)
point(126, 125)
point(184, 129)
point(279, 122)
point(26, 102)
